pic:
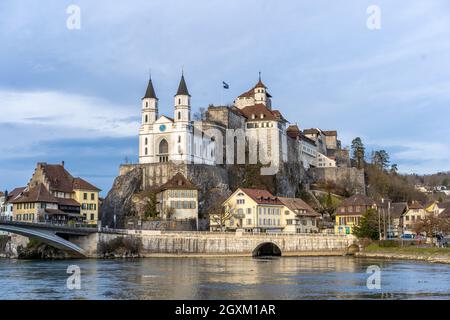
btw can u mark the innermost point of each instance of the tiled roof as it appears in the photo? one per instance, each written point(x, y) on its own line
point(415, 205)
point(357, 200)
point(38, 193)
point(260, 109)
point(330, 133)
point(81, 184)
point(261, 196)
point(67, 202)
point(398, 208)
point(293, 131)
point(14, 193)
point(178, 181)
point(58, 177)
point(311, 131)
point(295, 204)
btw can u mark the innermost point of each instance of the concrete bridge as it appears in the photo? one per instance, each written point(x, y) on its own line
point(86, 242)
point(54, 235)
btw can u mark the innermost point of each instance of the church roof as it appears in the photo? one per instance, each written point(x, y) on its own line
point(150, 93)
point(182, 88)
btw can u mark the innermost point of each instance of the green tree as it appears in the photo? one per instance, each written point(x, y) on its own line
point(381, 159)
point(368, 226)
point(358, 152)
point(394, 168)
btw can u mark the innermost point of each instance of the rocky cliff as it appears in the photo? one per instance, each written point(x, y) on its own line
point(119, 200)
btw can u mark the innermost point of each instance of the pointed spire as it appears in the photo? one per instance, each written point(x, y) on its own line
point(150, 93)
point(260, 84)
point(182, 87)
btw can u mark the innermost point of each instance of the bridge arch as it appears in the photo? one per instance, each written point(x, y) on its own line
point(265, 249)
point(46, 237)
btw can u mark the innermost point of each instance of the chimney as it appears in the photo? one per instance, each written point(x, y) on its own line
point(62, 163)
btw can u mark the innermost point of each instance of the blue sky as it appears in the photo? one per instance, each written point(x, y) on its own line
point(74, 95)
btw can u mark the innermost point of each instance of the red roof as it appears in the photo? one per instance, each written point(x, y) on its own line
point(82, 184)
point(178, 181)
point(259, 109)
point(261, 196)
point(38, 193)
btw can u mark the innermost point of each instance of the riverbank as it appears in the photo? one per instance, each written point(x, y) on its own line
point(433, 255)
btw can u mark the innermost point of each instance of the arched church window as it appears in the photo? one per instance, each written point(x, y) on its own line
point(179, 139)
point(179, 100)
point(163, 147)
point(146, 151)
point(146, 118)
point(146, 104)
point(146, 141)
point(179, 115)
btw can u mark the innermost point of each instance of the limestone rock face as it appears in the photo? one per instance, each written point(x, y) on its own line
point(119, 200)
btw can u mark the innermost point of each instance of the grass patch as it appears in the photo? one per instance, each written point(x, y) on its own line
point(409, 249)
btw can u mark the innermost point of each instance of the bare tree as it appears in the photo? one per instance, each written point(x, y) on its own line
point(432, 226)
point(220, 214)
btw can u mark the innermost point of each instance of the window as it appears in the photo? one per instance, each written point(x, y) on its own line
point(249, 221)
point(146, 118)
point(85, 196)
point(249, 211)
point(92, 196)
point(179, 102)
point(146, 151)
point(179, 115)
point(146, 141)
point(92, 216)
point(179, 139)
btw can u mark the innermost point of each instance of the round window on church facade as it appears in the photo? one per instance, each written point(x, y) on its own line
point(162, 128)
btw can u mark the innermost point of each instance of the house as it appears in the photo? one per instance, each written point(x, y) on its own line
point(414, 213)
point(432, 207)
point(177, 199)
point(350, 212)
point(7, 206)
point(255, 210)
point(299, 217)
point(54, 195)
point(398, 209)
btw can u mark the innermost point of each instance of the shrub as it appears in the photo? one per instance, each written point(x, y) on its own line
point(388, 244)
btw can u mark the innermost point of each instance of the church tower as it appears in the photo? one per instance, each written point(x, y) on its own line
point(149, 105)
point(182, 102)
point(261, 94)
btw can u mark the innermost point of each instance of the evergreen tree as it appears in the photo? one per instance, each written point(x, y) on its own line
point(358, 152)
point(368, 226)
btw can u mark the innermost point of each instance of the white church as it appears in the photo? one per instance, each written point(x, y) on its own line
point(164, 139)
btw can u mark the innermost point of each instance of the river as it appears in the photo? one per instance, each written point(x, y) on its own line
point(224, 278)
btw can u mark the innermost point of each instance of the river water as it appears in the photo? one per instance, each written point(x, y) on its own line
point(224, 278)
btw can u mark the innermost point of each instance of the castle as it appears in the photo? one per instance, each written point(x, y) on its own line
point(225, 130)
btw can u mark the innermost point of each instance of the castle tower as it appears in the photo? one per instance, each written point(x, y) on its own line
point(182, 102)
point(149, 105)
point(261, 94)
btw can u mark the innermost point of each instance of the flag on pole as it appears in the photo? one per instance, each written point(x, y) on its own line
point(225, 85)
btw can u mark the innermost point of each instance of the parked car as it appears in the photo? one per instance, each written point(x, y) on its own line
point(407, 236)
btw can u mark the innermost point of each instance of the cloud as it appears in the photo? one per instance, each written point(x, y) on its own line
point(67, 115)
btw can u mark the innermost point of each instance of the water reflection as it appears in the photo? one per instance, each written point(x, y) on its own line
point(224, 278)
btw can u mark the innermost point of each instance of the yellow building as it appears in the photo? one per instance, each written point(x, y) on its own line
point(87, 196)
point(254, 210)
point(54, 195)
point(350, 212)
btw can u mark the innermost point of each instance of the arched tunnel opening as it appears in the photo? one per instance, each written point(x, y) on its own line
point(267, 249)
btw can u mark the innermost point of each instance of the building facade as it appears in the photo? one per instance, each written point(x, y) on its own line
point(177, 199)
point(350, 212)
point(254, 210)
point(54, 195)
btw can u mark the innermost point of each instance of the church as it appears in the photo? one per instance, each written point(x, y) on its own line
point(163, 138)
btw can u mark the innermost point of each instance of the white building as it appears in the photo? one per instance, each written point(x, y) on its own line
point(6, 207)
point(163, 139)
point(325, 162)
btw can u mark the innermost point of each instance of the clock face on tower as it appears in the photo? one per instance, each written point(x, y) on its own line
point(162, 128)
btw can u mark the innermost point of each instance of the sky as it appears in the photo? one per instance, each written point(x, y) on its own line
point(74, 94)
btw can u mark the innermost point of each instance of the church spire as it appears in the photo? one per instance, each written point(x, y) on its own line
point(182, 87)
point(150, 93)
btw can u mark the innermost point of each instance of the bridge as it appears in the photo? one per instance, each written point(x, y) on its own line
point(53, 235)
point(86, 242)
